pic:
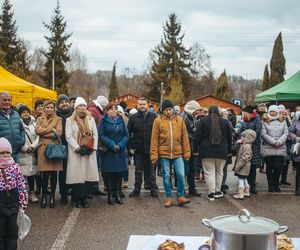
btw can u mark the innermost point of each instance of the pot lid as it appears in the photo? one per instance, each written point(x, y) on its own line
point(244, 223)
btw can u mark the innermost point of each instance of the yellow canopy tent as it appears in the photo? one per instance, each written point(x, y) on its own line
point(23, 91)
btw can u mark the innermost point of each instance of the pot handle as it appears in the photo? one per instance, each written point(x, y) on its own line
point(206, 222)
point(244, 212)
point(282, 230)
point(204, 247)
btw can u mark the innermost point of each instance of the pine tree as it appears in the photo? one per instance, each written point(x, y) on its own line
point(265, 83)
point(277, 64)
point(171, 61)
point(57, 51)
point(222, 89)
point(113, 88)
point(15, 55)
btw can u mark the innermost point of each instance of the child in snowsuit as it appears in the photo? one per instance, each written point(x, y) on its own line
point(13, 196)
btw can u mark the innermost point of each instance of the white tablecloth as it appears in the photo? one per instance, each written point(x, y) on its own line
point(151, 242)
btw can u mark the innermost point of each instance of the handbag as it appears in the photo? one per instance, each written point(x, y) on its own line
point(87, 141)
point(56, 151)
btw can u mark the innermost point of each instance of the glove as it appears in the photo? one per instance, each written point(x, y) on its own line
point(131, 152)
point(78, 150)
point(116, 148)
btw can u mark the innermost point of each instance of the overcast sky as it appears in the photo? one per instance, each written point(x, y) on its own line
point(239, 35)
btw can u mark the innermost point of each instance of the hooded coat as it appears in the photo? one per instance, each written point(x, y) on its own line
point(96, 111)
point(244, 155)
point(28, 161)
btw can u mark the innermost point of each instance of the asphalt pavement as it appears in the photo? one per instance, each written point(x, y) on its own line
point(105, 227)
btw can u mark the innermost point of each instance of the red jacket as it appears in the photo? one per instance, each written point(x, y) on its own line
point(96, 112)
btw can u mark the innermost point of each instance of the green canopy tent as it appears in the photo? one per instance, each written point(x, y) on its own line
point(287, 91)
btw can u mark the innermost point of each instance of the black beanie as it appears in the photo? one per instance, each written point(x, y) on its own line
point(166, 104)
point(73, 98)
point(123, 105)
point(23, 108)
point(61, 98)
point(37, 103)
point(249, 109)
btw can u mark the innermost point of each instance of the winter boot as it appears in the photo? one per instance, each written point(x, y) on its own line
point(110, 198)
point(168, 202)
point(118, 198)
point(240, 195)
point(52, 200)
point(247, 191)
point(32, 197)
point(182, 201)
point(44, 200)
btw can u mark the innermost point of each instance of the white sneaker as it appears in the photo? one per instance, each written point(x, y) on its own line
point(219, 194)
point(210, 197)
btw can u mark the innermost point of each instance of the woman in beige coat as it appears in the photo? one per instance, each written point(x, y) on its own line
point(46, 125)
point(82, 163)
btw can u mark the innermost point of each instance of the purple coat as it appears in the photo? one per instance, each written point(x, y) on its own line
point(294, 133)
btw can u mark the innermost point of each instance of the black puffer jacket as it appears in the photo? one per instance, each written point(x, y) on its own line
point(140, 129)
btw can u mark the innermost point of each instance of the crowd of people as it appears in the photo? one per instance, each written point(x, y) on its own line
point(98, 140)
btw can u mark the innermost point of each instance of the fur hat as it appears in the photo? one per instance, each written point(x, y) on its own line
point(79, 101)
point(5, 145)
point(273, 108)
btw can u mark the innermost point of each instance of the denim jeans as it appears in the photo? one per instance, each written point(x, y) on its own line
point(179, 174)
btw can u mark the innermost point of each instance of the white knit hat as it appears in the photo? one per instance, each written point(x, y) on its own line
point(133, 111)
point(120, 109)
point(191, 107)
point(281, 107)
point(273, 108)
point(102, 100)
point(79, 101)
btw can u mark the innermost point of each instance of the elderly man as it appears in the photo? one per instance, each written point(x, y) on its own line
point(10, 125)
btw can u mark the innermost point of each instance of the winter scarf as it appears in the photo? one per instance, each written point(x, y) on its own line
point(81, 119)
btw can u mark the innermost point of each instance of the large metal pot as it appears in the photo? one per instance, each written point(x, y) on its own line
point(242, 232)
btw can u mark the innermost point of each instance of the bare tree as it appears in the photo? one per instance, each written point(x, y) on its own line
point(200, 60)
point(77, 60)
point(37, 62)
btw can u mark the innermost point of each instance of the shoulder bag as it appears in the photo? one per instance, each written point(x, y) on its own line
point(56, 151)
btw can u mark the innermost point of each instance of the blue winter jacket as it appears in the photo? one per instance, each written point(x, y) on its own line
point(12, 129)
point(111, 133)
